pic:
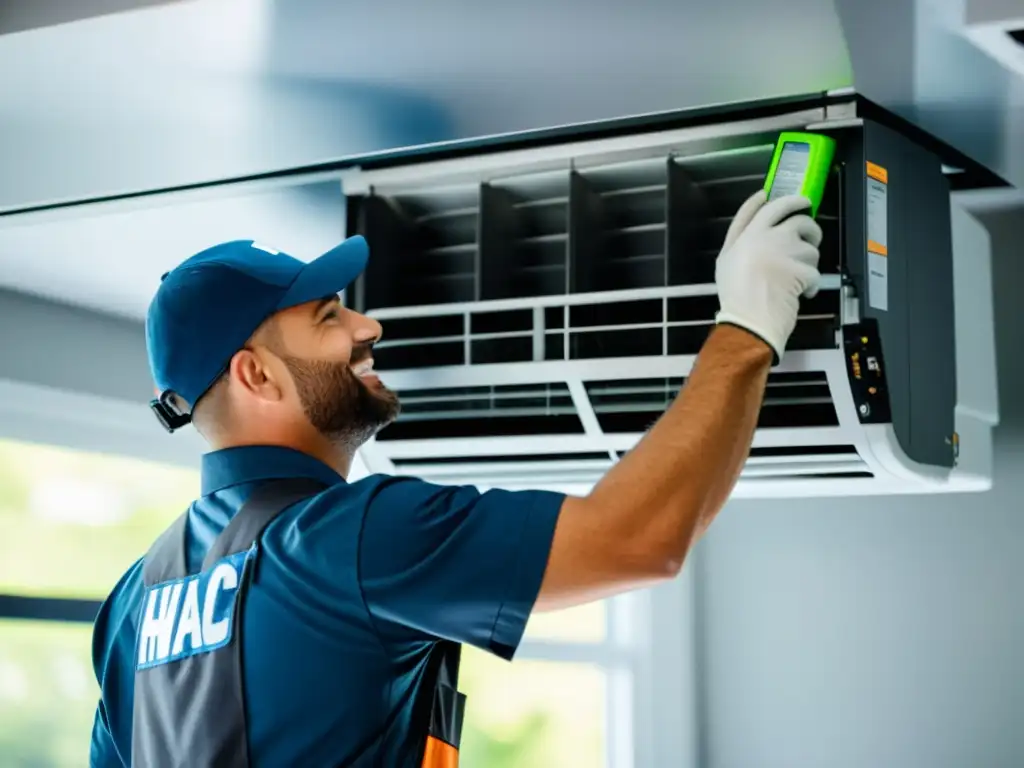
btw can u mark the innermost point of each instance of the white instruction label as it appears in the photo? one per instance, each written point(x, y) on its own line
point(878, 237)
point(878, 281)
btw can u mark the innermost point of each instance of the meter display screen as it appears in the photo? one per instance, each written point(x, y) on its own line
point(789, 176)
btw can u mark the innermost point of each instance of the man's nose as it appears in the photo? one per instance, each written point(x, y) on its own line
point(365, 329)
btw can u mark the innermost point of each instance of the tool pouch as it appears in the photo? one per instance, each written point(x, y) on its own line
point(447, 707)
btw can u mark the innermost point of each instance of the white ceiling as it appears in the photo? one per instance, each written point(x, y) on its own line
point(209, 89)
point(214, 88)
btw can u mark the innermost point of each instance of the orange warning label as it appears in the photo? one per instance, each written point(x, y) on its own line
point(878, 173)
point(878, 248)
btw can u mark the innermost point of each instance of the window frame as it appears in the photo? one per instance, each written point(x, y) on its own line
point(647, 720)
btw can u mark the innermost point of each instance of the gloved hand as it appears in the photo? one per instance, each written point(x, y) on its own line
point(769, 260)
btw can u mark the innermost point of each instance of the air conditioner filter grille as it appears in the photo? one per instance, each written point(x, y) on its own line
point(641, 224)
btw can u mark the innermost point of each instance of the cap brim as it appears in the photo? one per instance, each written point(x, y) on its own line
point(329, 274)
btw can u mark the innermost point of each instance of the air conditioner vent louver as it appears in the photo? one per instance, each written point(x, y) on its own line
point(791, 400)
point(440, 227)
point(641, 224)
point(535, 266)
point(525, 409)
point(622, 406)
point(586, 328)
point(527, 231)
point(766, 464)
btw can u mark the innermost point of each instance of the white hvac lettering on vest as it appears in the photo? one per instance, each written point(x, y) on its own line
point(189, 616)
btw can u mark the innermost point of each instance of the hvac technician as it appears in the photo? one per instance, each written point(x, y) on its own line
point(290, 618)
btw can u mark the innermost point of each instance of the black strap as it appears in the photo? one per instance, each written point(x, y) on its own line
point(451, 655)
point(166, 558)
point(448, 704)
point(266, 502)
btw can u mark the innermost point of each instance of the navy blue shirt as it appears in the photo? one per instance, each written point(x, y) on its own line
point(354, 586)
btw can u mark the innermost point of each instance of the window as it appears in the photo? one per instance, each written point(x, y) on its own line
point(584, 624)
point(532, 713)
point(47, 694)
point(548, 706)
point(87, 517)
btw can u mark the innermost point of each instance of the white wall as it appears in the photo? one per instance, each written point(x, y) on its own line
point(51, 345)
point(77, 378)
point(875, 632)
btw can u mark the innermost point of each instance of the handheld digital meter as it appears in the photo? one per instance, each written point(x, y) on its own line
point(800, 166)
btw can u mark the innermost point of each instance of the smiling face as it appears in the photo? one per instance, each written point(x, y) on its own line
point(312, 365)
point(327, 348)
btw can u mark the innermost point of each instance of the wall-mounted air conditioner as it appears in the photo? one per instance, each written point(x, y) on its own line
point(544, 298)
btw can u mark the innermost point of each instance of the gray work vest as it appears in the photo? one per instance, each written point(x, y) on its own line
point(189, 708)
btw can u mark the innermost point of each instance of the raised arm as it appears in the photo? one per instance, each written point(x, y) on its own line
point(638, 523)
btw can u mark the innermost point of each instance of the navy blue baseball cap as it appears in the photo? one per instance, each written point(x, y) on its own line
point(207, 307)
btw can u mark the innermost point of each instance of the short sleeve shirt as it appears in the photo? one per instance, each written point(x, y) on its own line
point(352, 588)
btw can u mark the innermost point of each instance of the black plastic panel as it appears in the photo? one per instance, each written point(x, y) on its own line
point(867, 372)
point(916, 323)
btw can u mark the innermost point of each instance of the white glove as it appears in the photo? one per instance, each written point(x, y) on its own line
point(769, 260)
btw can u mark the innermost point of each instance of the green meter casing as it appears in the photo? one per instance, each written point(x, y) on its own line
point(800, 166)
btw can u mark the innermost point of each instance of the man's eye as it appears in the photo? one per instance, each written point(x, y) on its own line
point(329, 315)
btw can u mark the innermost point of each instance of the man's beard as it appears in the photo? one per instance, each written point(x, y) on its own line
point(338, 405)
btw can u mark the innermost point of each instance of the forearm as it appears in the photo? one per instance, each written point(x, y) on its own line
point(637, 524)
point(665, 492)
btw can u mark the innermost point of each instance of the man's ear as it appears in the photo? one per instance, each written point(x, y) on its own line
point(254, 373)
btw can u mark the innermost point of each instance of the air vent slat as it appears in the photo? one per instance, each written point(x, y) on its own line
point(424, 248)
point(533, 458)
point(490, 394)
point(455, 248)
point(485, 411)
point(522, 248)
point(790, 463)
point(563, 200)
point(847, 457)
point(853, 467)
point(543, 268)
point(456, 277)
point(790, 400)
point(434, 216)
point(556, 237)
